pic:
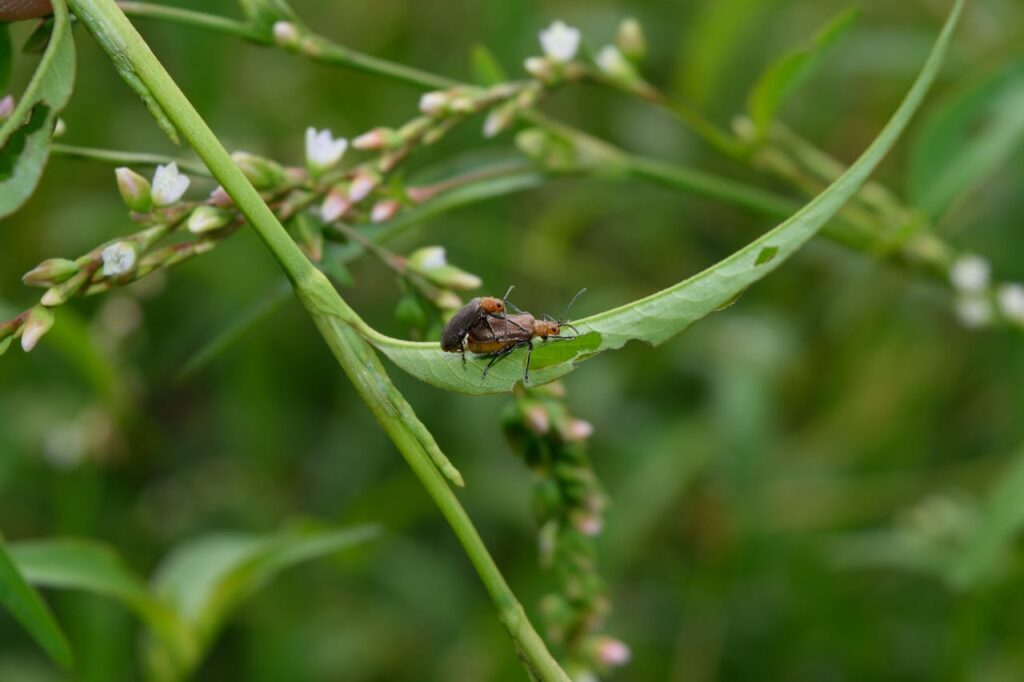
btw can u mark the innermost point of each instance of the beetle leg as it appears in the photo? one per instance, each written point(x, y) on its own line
point(498, 356)
point(462, 351)
point(529, 353)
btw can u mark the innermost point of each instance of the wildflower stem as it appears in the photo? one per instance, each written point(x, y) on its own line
point(121, 158)
point(337, 322)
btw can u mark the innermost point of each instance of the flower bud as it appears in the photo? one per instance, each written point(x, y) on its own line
point(59, 293)
point(384, 211)
point(335, 205)
point(6, 107)
point(614, 65)
point(59, 128)
point(588, 524)
point(630, 40)
point(1011, 302)
point(540, 68)
point(49, 272)
point(378, 138)
point(453, 277)
point(434, 103)
point(446, 300)
point(973, 311)
point(262, 173)
point(560, 41)
point(428, 258)
point(363, 183)
point(286, 34)
point(499, 118)
point(39, 321)
point(118, 258)
point(611, 652)
point(207, 219)
point(970, 273)
point(135, 190)
point(220, 198)
point(577, 430)
point(169, 185)
point(536, 419)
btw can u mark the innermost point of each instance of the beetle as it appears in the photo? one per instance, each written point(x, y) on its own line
point(516, 331)
point(478, 312)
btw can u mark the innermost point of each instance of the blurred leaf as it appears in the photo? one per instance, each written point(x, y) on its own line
point(783, 76)
point(6, 59)
point(486, 68)
point(25, 136)
point(39, 38)
point(208, 578)
point(967, 139)
point(71, 564)
point(999, 523)
point(670, 311)
point(30, 610)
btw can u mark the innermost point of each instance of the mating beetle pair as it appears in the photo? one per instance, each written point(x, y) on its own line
point(483, 326)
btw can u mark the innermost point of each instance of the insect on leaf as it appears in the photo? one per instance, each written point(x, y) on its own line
point(666, 313)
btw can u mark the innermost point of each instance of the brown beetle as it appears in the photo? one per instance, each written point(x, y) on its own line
point(478, 311)
point(499, 339)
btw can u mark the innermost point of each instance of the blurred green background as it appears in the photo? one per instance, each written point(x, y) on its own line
point(790, 480)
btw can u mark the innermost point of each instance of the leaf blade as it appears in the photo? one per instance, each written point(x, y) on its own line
point(25, 137)
point(29, 609)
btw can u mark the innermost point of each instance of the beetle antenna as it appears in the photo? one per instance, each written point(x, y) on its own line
point(565, 312)
point(508, 302)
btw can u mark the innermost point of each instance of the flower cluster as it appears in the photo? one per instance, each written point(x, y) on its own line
point(613, 63)
point(569, 504)
point(979, 303)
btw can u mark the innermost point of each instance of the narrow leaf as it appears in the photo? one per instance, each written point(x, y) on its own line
point(208, 578)
point(6, 59)
point(70, 564)
point(25, 137)
point(1000, 522)
point(967, 139)
point(486, 68)
point(783, 77)
point(668, 312)
point(29, 609)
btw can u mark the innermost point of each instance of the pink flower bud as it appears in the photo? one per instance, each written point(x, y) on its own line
point(6, 107)
point(286, 34)
point(39, 321)
point(384, 211)
point(134, 189)
point(335, 205)
point(535, 418)
point(220, 198)
point(611, 652)
point(362, 184)
point(433, 103)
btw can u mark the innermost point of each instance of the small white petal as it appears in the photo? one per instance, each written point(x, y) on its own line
point(384, 211)
point(322, 150)
point(118, 258)
point(168, 184)
point(973, 311)
point(335, 205)
point(970, 273)
point(285, 33)
point(611, 61)
point(1011, 302)
point(538, 67)
point(361, 187)
point(560, 41)
point(431, 257)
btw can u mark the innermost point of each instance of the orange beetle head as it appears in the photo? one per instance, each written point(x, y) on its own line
point(489, 304)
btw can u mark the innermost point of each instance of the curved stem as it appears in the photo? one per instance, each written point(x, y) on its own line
point(121, 158)
point(179, 15)
point(333, 317)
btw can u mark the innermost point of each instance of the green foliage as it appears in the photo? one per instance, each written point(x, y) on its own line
point(28, 608)
point(783, 77)
point(6, 57)
point(670, 311)
point(966, 140)
point(25, 136)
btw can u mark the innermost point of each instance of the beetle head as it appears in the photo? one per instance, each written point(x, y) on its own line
point(489, 304)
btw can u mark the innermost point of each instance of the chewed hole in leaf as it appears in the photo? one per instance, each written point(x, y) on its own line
point(11, 151)
point(766, 254)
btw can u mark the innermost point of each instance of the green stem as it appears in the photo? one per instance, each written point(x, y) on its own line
point(126, 158)
point(336, 321)
point(178, 15)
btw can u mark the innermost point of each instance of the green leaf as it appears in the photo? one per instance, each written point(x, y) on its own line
point(783, 77)
point(667, 313)
point(486, 68)
point(999, 524)
point(967, 139)
point(6, 58)
point(30, 610)
point(25, 137)
point(208, 578)
point(72, 564)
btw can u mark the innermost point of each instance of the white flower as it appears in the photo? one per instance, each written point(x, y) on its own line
point(973, 311)
point(611, 651)
point(168, 184)
point(429, 257)
point(322, 150)
point(560, 41)
point(118, 258)
point(970, 273)
point(1011, 302)
point(433, 103)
